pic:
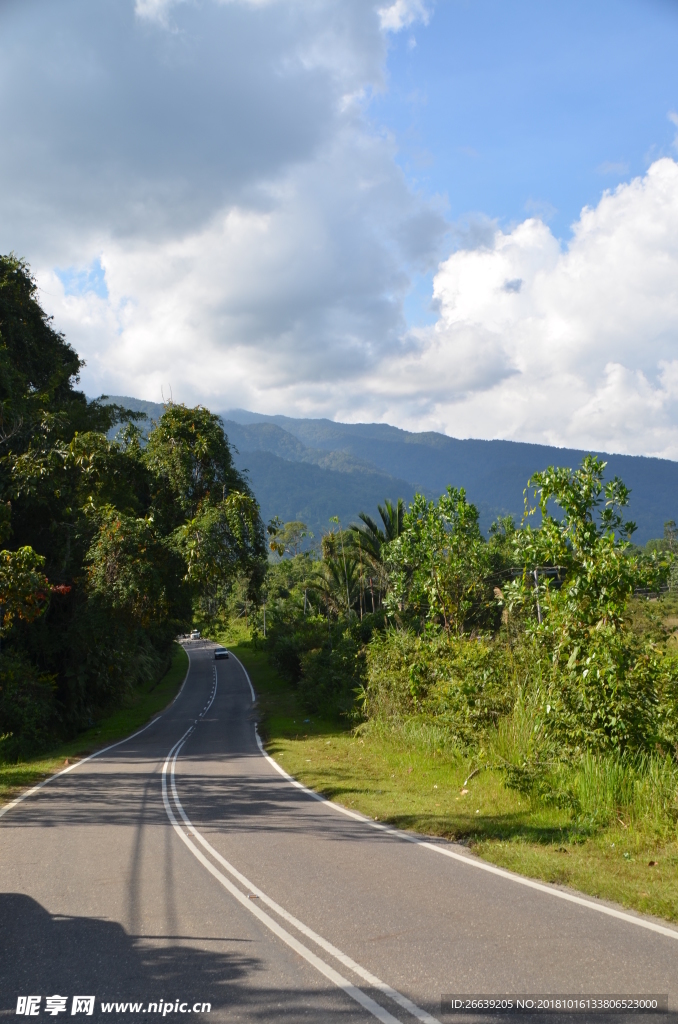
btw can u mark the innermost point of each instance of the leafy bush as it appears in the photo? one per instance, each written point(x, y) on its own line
point(616, 693)
point(325, 660)
point(28, 711)
point(465, 683)
point(331, 676)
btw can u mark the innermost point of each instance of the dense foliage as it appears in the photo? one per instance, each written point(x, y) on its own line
point(109, 547)
point(526, 634)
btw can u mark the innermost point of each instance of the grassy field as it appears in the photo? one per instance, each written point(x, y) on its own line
point(408, 778)
point(146, 702)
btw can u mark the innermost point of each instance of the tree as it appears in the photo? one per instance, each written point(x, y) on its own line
point(439, 563)
point(133, 570)
point(133, 536)
point(371, 538)
point(287, 538)
point(200, 498)
point(24, 588)
point(222, 542)
point(337, 584)
point(590, 544)
point(190, 459)
point(601, 680)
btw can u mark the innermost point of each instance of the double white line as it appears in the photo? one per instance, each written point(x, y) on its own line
point(187, 832)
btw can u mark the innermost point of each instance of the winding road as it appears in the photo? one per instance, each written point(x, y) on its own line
point(182, 871)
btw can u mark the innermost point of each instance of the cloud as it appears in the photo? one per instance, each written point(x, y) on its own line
point(263, 304)
point(252, 231)
point(575, 346)
point(403, 13)
point(207, 205)
point(141, 122)
point(618, 167)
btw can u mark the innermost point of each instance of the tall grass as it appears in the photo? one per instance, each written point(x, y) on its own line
point(639, 791)
point(416, 733)
point(634, 791)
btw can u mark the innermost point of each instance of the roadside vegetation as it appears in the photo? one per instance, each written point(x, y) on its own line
point(615, 846)
point(110, 548)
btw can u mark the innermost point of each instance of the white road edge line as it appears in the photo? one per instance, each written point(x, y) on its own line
point(328, 972)
point(639, 922)
point(371, 979)
point(97, 753)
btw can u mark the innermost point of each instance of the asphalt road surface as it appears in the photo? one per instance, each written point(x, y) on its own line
point(181, 869)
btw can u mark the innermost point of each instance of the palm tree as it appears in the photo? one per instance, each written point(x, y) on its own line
point(370, 539)
point(337, 584)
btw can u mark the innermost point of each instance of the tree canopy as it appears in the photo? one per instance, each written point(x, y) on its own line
point(110, 546)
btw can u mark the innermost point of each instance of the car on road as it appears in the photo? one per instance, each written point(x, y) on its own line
point(220, 652)
point(195, 634)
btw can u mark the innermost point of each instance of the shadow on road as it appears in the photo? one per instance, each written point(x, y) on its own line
point(42, 954)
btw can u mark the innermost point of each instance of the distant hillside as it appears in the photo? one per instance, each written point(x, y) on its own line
point(494, 473)
point(293, 481)
point(326, 468)
point(300, 490)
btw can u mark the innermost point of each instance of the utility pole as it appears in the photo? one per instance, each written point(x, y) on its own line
point(536, 590)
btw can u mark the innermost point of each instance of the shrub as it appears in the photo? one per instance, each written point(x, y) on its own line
point(465, 683)
point(28, 708)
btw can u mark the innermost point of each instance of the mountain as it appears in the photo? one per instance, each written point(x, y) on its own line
point(295, 481)
point(311, 469)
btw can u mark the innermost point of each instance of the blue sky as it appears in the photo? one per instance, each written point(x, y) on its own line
point(460, 216)
point(511, 109)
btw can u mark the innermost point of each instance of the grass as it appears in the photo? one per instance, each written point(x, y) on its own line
point(410, 777)
point(145, 702)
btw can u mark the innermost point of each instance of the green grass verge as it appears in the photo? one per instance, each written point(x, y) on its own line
point(145, 702)
point(408, 779)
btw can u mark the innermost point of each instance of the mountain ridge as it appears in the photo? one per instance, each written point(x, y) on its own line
point(366, 463)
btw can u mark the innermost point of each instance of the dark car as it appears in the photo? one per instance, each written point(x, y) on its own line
point(220, 652)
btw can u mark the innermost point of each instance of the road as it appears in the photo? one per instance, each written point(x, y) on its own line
point(183, 868)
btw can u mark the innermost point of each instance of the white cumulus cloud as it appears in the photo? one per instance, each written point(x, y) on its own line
point(208, 208)
point(572, 346)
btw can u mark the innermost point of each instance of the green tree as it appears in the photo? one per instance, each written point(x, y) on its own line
point(24, 588)
point(370, 542)
point(372, 537)
point(133, 536)
point(190, 459)
point(439, 564)
point(589, 544)
point(134, 571)
point(222, 542)
point(603, 683)
point(287, 538)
